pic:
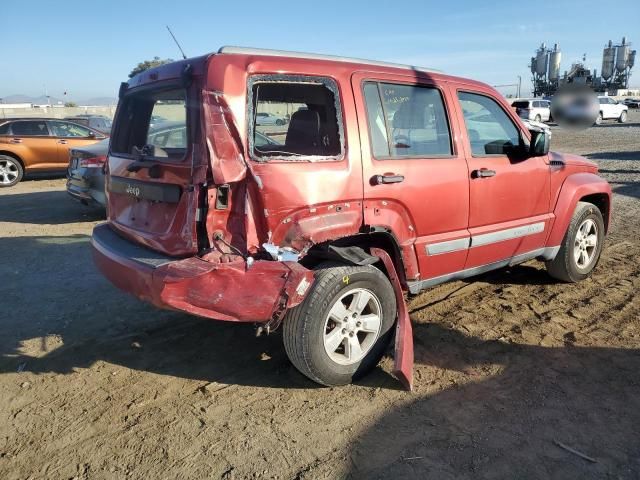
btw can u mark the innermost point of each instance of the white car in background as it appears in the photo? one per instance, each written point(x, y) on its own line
point(534, 109)
point(263, 118)
point(611, 109)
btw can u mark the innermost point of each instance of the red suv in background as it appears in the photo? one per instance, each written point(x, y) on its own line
point(387, 178)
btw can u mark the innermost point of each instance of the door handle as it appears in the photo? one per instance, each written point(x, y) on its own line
point(387, 178)
point(15, 140)
point(62, 142)
point(483, 173)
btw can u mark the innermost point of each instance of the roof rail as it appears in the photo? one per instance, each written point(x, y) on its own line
point(317, 56)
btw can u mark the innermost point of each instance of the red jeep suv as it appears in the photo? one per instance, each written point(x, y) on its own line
point(382, 179)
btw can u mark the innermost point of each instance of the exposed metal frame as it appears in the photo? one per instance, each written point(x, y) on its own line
point(230, 50)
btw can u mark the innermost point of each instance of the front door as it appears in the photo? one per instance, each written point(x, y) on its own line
point(415, 174)
point(509, 196)
point(67, 136)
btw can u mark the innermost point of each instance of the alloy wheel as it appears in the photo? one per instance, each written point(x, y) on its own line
point(8, 172)
point(352, 326)
point(585, 244)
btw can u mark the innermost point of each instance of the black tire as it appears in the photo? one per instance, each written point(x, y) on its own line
point(305, 325)
point(538, 118)
point(565, 267)
point(623, 117)
point(279, 122)
point(11, 171)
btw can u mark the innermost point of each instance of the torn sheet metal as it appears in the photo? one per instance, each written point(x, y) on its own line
point(223, 140)
point(403, 367)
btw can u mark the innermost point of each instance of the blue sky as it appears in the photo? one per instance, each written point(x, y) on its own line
point(87, 48)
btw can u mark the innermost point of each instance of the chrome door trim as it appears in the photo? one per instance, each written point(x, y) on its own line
point(507, 234)
point(448, 246)
point(546, 253)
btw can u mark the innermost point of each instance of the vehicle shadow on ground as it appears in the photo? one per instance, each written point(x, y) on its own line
point(587, 398)
point(499, 420)
point(629, 189)
point(45, 176)
point(50, 207)
point(66, 316)
point(60, 298)
point(613, 156)
point(626, 124)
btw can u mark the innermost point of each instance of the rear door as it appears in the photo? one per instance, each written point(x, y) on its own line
point(509, 197)
point(151, 196)
point(415, 175)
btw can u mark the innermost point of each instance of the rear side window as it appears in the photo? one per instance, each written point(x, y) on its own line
point(489, 128)
point(4, 129)
point(30, 128)
point(294, 116)
point(520, 104)
point(406, 121)
point(153, 121)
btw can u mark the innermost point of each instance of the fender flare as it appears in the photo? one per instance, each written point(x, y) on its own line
point(574, 188)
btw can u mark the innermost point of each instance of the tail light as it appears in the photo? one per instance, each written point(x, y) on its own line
point(92, 162)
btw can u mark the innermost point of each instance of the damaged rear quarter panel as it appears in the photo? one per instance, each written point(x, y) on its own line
point(295, 203)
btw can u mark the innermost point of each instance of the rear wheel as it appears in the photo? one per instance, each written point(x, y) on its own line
point(11, 171)
point(599, 119)
point(341, 329)
point(581, 246)
point(623, 117)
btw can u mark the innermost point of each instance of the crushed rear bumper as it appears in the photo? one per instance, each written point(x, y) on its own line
point(221, 291)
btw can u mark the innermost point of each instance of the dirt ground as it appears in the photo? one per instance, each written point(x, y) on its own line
point(95, 384)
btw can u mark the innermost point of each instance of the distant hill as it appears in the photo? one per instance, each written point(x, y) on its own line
point(42, 100)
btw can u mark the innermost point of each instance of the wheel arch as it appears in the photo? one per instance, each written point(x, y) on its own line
point(586, 187)
point(378, 238)
point(603, 202)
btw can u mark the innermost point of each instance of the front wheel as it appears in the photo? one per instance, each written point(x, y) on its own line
point(581, 246)
point(538, 118)
point(341, 329)
point(623, 117)
point(11, 171)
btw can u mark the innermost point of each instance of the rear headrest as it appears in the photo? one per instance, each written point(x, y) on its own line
point(304, 129)
point(409, 116)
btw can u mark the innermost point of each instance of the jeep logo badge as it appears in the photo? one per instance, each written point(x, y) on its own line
point(133, 191)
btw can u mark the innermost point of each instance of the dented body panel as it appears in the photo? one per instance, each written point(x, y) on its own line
point(221, 291)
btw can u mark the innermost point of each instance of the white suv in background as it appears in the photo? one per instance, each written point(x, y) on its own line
point(537, 110)
point(611, 109)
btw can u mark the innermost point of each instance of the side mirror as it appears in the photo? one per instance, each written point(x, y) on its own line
point(540, 140)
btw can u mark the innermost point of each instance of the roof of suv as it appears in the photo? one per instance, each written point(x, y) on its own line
point(264, 52)
point(197, 64)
